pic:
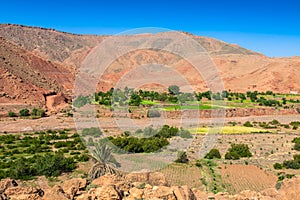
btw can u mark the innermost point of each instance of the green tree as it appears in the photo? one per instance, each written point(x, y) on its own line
point(135, 100)
point(81, 101)
point(174, 89)
point(53, 165)
point(24, 112)
point(153, 113)
point(277, 166)
point(37, 112)
point(20, 169)
point(213, 153)
point(237, 151)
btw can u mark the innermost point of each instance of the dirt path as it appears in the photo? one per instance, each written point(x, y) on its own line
point(59, 122)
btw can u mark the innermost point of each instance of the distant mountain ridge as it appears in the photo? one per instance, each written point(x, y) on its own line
point(45, 61)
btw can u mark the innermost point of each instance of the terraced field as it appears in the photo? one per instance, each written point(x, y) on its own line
point(246, 177)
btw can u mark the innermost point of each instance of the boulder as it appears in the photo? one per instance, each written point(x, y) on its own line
point(183, 193)
point(23, 193)
point(136, 193)
point(107, 192)
point(159, 192)
point(56, 193)
point(73, 186)
point(106, 180)
point(153, 178)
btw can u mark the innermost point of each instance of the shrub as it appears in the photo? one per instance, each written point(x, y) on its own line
point(277, 166)
point(167, 132)
point(174, 89)
point(48, 165)
point(213, 153)
point(184, 133)
point(297, 143)
point(181, 157)
point(139, 145)
point(81, 101)
point(248, 124)
point(37, 112)
point(153, 113)
point(237, 151)
point(11, 114)
point(291, 164)
point(198, 163)
point(297, 146)
point(83, 158)
point(93, 131)
point(24, 112)
point(53, 165)
point(135, 100)
point(274, 122)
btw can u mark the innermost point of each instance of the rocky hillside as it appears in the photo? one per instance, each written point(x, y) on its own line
point(135, 186)
point(36, 62)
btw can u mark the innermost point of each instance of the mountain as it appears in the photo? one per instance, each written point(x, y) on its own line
point(36, 63)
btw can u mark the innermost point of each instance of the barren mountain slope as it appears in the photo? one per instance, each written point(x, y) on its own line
point(27, 78)
point(253, 72)
point(46, 60)
point(50, 44)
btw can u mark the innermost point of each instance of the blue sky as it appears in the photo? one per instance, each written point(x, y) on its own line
point(268, 26)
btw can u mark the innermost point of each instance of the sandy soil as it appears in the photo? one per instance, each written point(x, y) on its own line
point(122, 124)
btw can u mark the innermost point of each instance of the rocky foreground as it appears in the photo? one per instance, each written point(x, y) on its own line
point(135, 186)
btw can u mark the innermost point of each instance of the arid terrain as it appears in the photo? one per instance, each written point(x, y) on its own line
point(40, 118)
point(42, 62)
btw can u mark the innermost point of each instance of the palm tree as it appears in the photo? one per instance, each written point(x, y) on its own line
point(104, 161)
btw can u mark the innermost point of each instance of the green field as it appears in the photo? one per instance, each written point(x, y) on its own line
point(148, 102)
point(206, 106)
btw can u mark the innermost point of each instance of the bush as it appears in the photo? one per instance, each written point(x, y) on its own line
point(53, 165)
point(297, 146)
point(237, 151)
point(48, 165)
point(139, 145)
point(83, 158)
point(297, 143)
point(37, 112)
point(11, 114)
point(153, 113)
point(181, 157)
point(275, 122)
point(81, 101)
point(174, 89)
point(167, 132)
point(24, 112)
point(135, 100)
point(248, 124)
point(93, 131)
point(232, 156)
point(277, 166)
point(184, 134)
point(213, 153)
point(291, 164)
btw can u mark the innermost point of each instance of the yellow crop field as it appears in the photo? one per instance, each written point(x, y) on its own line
point(228, 130)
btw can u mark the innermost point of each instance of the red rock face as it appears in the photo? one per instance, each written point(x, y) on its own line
point(36, 61)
